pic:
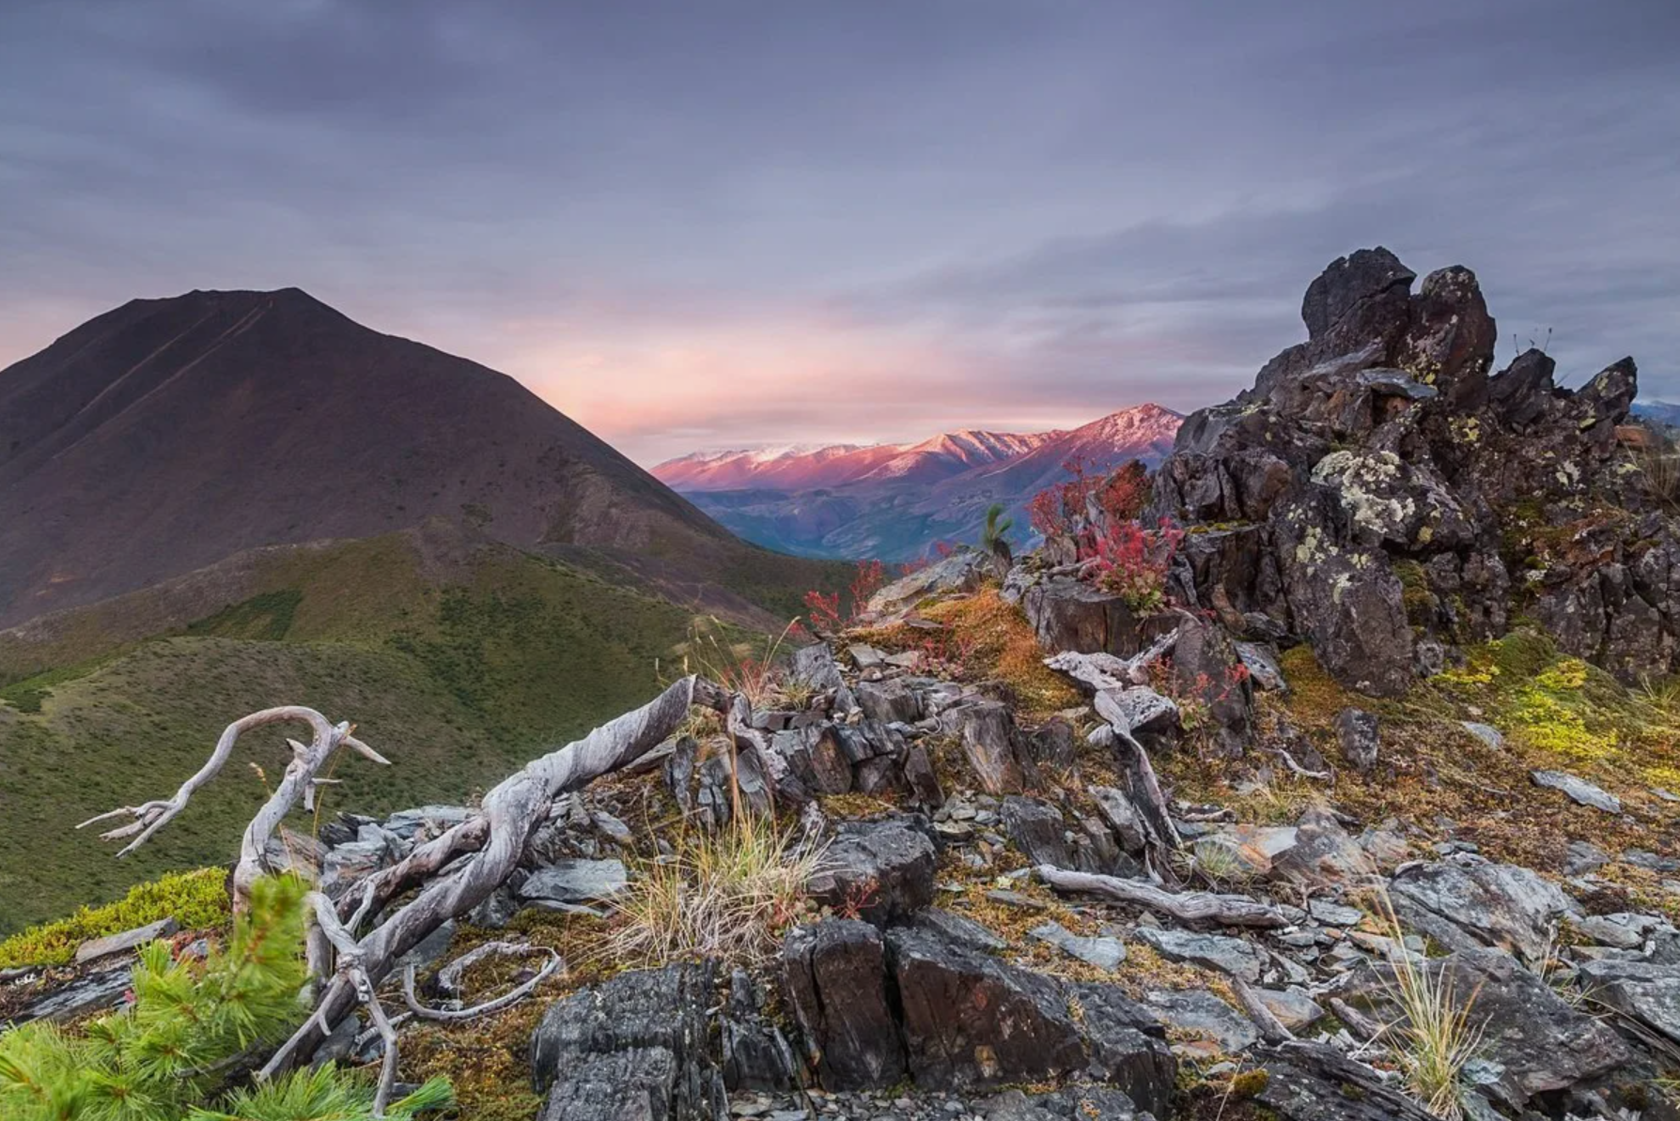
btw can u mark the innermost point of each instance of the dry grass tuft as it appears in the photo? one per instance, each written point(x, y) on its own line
point(727, 894)
point(1434, 1037)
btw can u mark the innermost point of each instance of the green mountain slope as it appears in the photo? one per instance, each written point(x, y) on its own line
point(458, 659)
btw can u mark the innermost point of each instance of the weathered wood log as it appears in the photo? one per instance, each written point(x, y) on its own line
point(1186, 906)
point(508, 814)
point(296, 785)
point(449, 978)
point(1270, 1027)
point(1102, 670)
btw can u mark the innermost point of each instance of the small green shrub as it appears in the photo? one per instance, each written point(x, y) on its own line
point(166, 1056)
point(195, 900)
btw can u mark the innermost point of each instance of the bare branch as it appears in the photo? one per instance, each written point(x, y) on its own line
point(297, 785)
point(1187, 906)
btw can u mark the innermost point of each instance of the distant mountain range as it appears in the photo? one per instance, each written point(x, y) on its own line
point(897, 501)
point(1663, 412)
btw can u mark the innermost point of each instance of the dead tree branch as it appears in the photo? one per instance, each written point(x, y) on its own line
point(1187, 906)
point(297, 785)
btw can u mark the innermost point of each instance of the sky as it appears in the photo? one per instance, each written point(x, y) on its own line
point(729, 223)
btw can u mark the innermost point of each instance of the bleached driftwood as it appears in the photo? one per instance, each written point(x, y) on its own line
point(1186, 906)
point(454, 872)
point(495, 838)
point(1142, 785)
point(1102, 670)
point(1271, 1028)
point(295, 786)
point(449, 979)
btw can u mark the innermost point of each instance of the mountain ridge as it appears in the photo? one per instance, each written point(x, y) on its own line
point(166, 434)
point(898, 501)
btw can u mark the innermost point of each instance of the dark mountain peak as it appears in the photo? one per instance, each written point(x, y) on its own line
point(166, 434)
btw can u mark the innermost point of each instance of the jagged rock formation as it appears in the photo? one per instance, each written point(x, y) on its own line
point(1380, 493)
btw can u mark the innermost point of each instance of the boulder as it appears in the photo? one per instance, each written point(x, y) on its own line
point(1357, 735)
point(1536, 1042)
point(834, 975)
point(1466, 903)
point(633, 1046)
point(972, 1020)
point(992, 744)
point(1204, 1024)
point(1071, 614)
point(1646, 991)
point(1038, 831)
point(888, 700)
point(754, 1053)
point(877, 871)
point(814, 667)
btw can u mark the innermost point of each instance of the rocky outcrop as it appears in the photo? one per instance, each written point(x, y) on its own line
point(1381, 493)
point(634, 1046)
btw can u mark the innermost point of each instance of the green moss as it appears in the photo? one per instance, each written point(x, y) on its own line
point(196, 900)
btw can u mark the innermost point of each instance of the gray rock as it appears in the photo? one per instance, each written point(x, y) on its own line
point(961, 930)
point(962, 571)
point(1647, 991)
point(1198, 1013)
point(1583, 857)
point(347, 863)
point(1538, 1043)
point(889, 700)
point(1467, 903)
point(576, 881)
point(1122, 817)
point(1579, 790)
point(635, 1046)
point(835, 978)
point(1263, 669)
point(1104, 953)
point(1038, 831)
point(1294, 1007)
point(971, 1020)
point(814, 666)
point(95, 948)
point(1335, 914)
point(1357, 734)
point(992, 744)
point(1487, 733)
point(1214, 951)
point(881, 870)
point(92, 992)
point(407, 824)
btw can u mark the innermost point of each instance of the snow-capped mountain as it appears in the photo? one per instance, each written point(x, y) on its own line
point(894, 501)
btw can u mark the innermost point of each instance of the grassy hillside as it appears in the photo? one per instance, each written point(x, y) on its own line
point(458, 665)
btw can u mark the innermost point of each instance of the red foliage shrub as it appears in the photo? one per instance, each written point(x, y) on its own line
point(824, 611)
point(1132, 562)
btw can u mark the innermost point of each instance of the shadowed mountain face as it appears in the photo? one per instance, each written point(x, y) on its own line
point(169, 434)
point(895, 502)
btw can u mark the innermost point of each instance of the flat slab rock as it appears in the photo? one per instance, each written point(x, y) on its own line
point(1579, 790)
point(127, 940)
point(1102, 952)
point(1213, 951)
point(576, 881)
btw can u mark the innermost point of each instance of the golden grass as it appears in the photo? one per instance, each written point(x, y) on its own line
point(727, 894)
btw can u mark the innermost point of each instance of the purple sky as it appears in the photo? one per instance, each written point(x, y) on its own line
point(712, 223)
